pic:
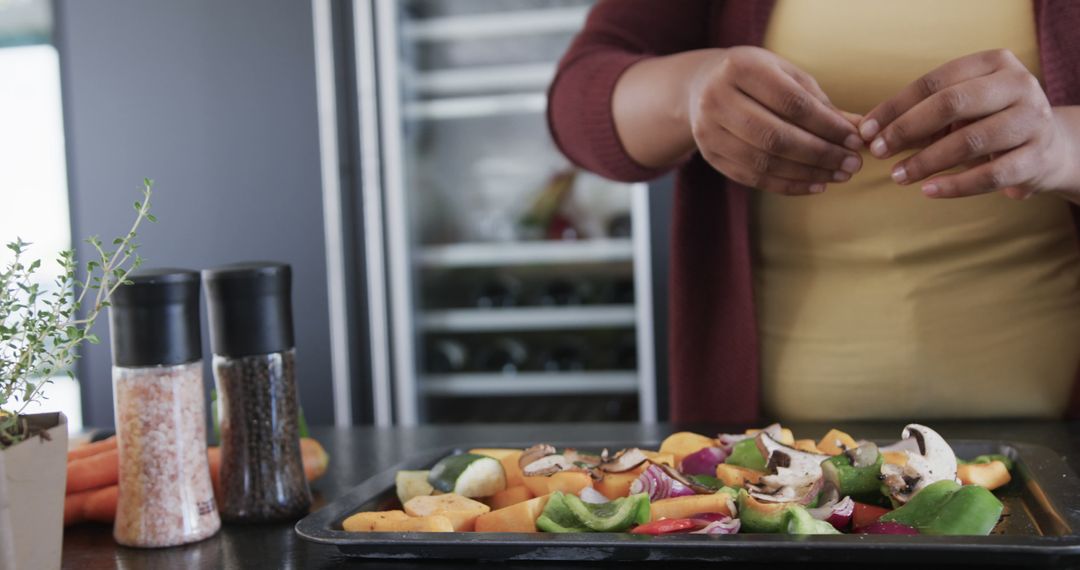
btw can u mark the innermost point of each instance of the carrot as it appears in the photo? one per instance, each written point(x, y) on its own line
point(99, 470)
point(73, 507)
point(89, 449)
point(101, 504)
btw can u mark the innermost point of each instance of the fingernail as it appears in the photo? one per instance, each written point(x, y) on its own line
point(878, 148)
point(853, 142)
point(841, 176)
point(850, 165)
point(869, 129)
point(817, 188)
point(899, 174)
point(931, 190)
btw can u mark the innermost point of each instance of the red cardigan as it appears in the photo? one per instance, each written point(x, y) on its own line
point(714, 340)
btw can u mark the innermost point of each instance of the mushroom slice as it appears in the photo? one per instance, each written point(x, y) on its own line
point(534, 453)
point(548, 465)
point(932, 460)
point(794, 476)
point(624, 460)
point(583, 460)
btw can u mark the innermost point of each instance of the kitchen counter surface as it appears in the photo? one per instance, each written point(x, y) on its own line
point(358, 453)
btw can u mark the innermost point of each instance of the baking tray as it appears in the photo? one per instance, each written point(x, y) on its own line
point(1041, 526)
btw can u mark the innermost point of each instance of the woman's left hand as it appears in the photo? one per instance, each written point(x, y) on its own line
point(985, 112)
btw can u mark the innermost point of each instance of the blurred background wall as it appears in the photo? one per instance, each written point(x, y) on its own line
point(215, 101)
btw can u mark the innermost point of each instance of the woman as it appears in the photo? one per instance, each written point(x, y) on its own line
point(888, 261)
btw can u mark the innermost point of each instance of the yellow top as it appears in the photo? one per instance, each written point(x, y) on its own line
point(875, 302)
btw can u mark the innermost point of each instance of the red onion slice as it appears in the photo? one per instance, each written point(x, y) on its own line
point(658, 485)
point(703, 461)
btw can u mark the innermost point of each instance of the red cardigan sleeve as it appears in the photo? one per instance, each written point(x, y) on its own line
point(617, 34)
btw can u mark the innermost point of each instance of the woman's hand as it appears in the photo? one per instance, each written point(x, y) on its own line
point(766, 124)
point(986, 112)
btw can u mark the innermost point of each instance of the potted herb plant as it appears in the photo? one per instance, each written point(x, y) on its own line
point(40, 330)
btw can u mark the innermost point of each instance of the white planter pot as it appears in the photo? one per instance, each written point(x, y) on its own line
point(33, 476)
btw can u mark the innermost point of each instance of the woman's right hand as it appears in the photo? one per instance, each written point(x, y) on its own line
point(766, 124)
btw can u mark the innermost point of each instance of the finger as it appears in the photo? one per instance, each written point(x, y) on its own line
point(964, 101)
point(1016, 168)
point(784, 96)
point(759, 127)
point(1017, 193)
point(997, 133)
point(747, 177)
point(723, 142)
point(951, 73)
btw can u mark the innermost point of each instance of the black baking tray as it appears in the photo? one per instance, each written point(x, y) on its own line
point(1041, 526)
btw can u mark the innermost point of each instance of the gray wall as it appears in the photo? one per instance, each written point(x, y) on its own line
point(215, 100)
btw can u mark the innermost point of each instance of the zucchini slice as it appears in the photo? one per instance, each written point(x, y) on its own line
point(412, 484)
point(468, 475)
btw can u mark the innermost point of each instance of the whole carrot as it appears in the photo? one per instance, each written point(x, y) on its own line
point(89, 449)
point(99, 470)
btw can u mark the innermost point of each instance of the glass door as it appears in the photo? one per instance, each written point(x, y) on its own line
point(519, 285)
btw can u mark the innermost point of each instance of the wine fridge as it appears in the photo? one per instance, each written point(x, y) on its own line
point(502, 284)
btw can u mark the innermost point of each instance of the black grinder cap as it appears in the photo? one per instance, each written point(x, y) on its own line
point(250, 308)
point(155, 319)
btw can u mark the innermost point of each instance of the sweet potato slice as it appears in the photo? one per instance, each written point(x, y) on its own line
point(462, 511)
point(515, 518)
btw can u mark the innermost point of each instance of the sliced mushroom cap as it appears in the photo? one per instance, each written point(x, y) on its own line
point(793, 475)
point(587, 460)
point(932, 460)
point(535, 453)
point(548, 465)
point(624, 460)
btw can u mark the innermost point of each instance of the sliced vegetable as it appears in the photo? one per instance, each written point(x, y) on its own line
point(520, 517)
point(989, 475)
point(851, 480)
point(690, 506)
point(799, 521)
point(746, 454)
point(884, 527)
point(703, 461)
point(864, 515)
point(396, 521)
point(836, 513)
point(757, 516)
point(665, 526)
point(509, 458)
point(468, 475)
point(946, 508)
point(737, 477)
point(592, 496)
point(557, 517)
point(990, 458)
point(462, 511)
point(411, 484)
point(727, 525)
point(613, 516)
point(708, 481)
point(656, 483)
point(684, 443)
point(836, 442)
point(509, 496)
point(565, 482)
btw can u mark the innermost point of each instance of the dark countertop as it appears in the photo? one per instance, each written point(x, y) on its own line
point(358, 453)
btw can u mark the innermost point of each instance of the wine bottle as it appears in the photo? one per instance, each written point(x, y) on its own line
point(445, 356)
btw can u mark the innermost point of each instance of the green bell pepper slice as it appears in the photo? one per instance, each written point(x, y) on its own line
point(746, 454)
point(800, 521)
point(568, 513)
point(557, 517)
point(947, 508)
point(856, 482)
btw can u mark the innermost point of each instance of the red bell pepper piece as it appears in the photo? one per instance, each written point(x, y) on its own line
point(665, 526)
point(865, 514)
